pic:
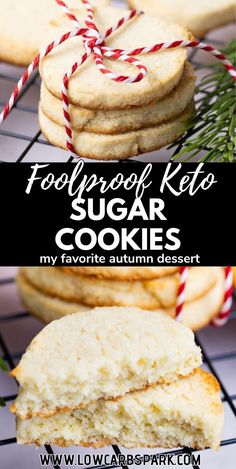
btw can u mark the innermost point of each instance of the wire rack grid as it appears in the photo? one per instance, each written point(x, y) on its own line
point(18, 327)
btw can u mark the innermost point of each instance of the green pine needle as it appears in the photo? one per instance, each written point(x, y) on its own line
point(2, 402)
point(213, 127)
point(3, 365)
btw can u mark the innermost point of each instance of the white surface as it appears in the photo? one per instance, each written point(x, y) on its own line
point(17, 334)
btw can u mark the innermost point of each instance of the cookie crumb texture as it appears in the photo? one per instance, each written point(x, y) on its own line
point(100, 354)
point(187, 412)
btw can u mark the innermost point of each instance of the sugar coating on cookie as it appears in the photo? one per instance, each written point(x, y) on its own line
point(122, 273)
point(119, 146)
point(90, 88)
point(187, 412)
point(197, 16)
point(22, 27)
point(149, 294)
point(101, 353)
point(123, 120)
point(45, 307)
point(196, 314)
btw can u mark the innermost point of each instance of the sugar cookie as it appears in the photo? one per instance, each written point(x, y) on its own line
point(199, 16)
point(22, 25)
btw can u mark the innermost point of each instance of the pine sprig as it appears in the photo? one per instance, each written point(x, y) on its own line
point(212, 130)
point(2, 402)
point(3, 366)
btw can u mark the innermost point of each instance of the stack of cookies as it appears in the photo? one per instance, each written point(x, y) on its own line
point(53, 292)
point(116, 376)
point(117, 120)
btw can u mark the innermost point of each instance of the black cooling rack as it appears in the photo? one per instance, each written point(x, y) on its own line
point(209, 361)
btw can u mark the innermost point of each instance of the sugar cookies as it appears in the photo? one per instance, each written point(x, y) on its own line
point(120, 146)
point(47, 307)
point(22, 27)
point(187, 412)
point(147, 294)
point(115, 119)
point(116, 376)
point(79, 348)
point(89, 87)
point(199, 17)
point(118, 121)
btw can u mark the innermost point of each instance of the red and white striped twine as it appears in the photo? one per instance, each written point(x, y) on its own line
point(224, 313)
point(94, 43)
point(183, 274)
